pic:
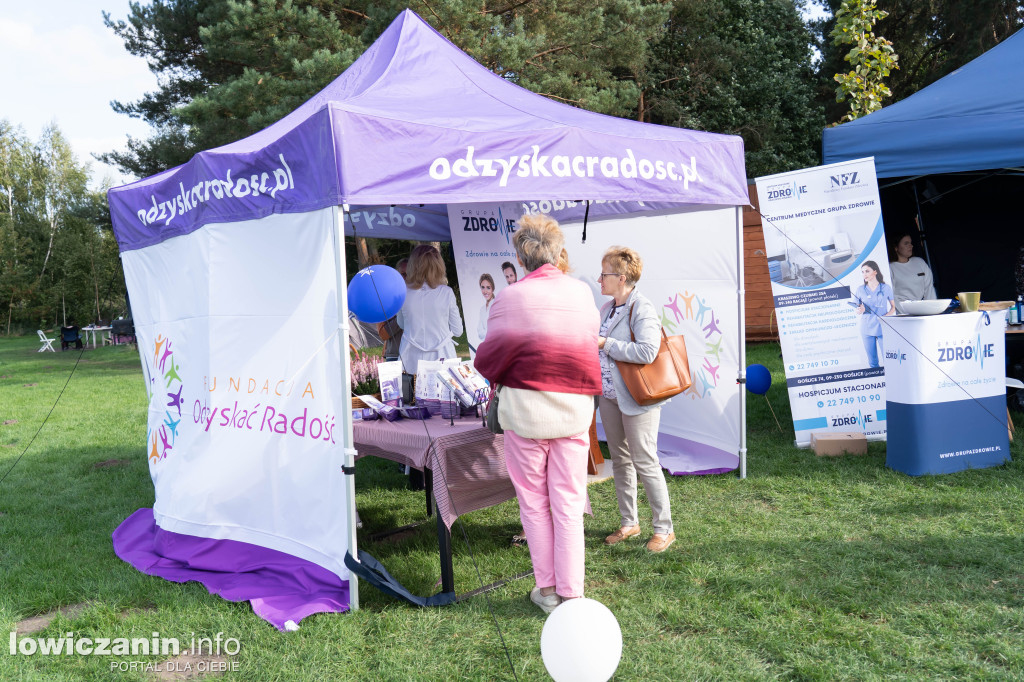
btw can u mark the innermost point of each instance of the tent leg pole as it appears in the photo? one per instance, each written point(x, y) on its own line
point(741, 349)
point(741, 296)
point(921, 233)
point(444, 543)
point(345, 417)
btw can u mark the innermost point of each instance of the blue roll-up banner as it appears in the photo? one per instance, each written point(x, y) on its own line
point(947, 392)
point(822, 226)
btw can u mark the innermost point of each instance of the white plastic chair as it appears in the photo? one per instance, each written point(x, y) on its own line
point(47, 342)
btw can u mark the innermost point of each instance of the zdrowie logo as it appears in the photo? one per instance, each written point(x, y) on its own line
point(967, 351)
point(897, 355)
point(483, 223)
point(783, 190)
point(860, 419)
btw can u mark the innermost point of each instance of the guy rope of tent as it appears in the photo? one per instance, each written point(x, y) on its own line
point(46, 418)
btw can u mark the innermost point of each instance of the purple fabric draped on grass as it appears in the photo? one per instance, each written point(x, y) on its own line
point(684, 457)
point(279, 586)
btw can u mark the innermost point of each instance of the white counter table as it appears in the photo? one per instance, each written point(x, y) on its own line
point(945, 379)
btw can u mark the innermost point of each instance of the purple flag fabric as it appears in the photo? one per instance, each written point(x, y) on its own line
point(416, 121)
point(279, 586)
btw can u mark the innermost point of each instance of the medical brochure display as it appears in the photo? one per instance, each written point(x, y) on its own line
point(830, 280)
point(946, 403)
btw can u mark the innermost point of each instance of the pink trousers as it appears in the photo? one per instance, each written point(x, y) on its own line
point(550, 477)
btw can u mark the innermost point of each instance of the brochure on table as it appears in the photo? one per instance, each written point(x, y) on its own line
point(820, 227)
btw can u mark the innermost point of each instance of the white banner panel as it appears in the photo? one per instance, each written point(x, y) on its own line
point(822, 226)
point(237, 326)
point(690, 274)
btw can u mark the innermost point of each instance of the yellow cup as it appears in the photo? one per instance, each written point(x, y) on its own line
point(969, 300)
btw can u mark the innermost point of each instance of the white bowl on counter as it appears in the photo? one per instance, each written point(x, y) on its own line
point(927, 307)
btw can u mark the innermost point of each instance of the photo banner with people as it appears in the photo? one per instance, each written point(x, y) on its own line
point(829, 269)
point(689, 273)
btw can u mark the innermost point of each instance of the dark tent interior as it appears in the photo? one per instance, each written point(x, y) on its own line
point(971, 224)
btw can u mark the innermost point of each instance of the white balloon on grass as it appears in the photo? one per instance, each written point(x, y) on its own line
point(581, 642)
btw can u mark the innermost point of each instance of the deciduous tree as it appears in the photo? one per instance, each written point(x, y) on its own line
point(932, 38)
point(57, 250)
point(742, 67)
point(870, 56)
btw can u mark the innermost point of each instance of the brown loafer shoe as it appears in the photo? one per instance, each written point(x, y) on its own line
point(621, 534)
point(659, 543)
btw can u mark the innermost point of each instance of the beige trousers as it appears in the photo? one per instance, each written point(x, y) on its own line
point(633, 446)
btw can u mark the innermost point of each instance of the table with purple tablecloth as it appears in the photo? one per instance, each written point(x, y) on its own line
point(464, 465)
point(467, 462)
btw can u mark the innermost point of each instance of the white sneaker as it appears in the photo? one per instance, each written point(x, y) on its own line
point(547, 604)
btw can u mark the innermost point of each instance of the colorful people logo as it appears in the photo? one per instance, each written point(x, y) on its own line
point(165, 394)
point(693, 316)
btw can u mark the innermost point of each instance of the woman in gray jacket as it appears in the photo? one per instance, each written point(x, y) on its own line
point(632, 429)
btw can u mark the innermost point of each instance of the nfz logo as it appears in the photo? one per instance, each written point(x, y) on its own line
point(976, 352)
point(775, 192)
point(896, 355)
point(844, 179)
point(482, 224)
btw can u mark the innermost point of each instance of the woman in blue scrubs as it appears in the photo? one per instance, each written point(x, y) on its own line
point(875, 299)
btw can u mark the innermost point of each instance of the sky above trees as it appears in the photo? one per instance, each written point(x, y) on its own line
point(60, 64)
point(65, 66)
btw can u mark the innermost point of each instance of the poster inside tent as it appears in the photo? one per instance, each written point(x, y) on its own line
point(824, 240)
point(689, 273)
point(485, 259)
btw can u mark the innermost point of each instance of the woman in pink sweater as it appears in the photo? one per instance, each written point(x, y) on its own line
point(541, 349)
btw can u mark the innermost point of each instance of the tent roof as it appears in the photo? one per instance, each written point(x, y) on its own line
point(416, 121)
point(972, 119)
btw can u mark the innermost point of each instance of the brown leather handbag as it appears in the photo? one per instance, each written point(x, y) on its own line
point(666, 376)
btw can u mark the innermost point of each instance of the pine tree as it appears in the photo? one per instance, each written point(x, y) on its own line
point(229, 69)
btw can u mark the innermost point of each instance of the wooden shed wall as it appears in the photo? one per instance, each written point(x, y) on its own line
point(760, 307)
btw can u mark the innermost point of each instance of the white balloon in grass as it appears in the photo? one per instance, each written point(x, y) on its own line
point(581, 642)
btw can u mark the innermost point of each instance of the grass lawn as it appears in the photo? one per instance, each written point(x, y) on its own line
point(811, 568)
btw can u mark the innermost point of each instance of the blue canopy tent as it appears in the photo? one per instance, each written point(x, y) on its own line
point(954, 152)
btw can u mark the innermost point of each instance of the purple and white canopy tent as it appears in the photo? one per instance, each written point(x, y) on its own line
point(233, 263)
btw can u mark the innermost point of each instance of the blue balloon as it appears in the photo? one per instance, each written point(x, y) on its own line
point(376, 293)
point(759, 379)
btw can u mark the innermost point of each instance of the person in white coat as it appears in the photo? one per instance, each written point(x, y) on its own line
point(430, 316)
point(911, 276)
